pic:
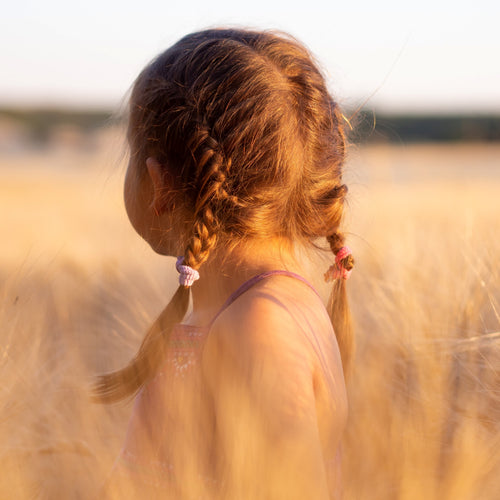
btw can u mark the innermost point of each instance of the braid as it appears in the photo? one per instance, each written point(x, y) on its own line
point(125, 383)
point(209, 165)
point(212, 168)
point(203, 239)
point(338, 307)
point(210, 183)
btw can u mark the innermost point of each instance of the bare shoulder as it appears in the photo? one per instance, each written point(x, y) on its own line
point(254, 360)
point(266, 321)
point(268, 339)
point(259, 367)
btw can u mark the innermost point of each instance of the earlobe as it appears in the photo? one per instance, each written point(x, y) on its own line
point(158, 181)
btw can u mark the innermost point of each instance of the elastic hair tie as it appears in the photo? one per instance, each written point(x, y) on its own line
point(187, 275)
point(337, 270)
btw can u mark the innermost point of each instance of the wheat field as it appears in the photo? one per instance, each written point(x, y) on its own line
point(78, 288)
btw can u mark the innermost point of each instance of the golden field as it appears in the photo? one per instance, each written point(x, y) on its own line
point(78, 288)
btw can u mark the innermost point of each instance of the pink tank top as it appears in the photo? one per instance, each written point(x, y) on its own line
point(187, 340)
point(252, 281)
point(176, 383)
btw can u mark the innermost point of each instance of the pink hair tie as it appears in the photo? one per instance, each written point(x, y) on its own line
point(187, 275)
point(337, 270)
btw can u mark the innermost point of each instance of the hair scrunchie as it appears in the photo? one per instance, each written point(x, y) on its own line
point(187, 275)
point(337, 270)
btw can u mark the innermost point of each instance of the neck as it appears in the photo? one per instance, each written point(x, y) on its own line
point(225, 271)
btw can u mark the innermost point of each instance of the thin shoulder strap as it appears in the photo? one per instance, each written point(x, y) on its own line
point(252, 281)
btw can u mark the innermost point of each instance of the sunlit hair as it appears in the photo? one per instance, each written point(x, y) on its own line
point(255, 145)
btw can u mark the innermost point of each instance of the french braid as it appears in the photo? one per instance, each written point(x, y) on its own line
point(209, 165)
point(210, 182)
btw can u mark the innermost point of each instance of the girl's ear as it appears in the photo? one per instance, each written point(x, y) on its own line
point(160, 184)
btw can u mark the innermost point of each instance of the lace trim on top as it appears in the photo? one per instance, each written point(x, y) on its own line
point(184, 349)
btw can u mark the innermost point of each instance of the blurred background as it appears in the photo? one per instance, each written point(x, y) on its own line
point(419, 84)
point(428, 70)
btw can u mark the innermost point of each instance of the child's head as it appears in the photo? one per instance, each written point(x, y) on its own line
point(253, 141)
point(250, 139)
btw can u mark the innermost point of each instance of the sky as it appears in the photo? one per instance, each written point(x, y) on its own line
point(392, 55)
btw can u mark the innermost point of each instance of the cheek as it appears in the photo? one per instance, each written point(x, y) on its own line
point(135, 205)
point(159, 231)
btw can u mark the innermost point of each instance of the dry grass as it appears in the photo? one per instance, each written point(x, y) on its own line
point(78, 288)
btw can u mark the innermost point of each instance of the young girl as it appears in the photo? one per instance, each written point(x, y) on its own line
point(237, 151)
